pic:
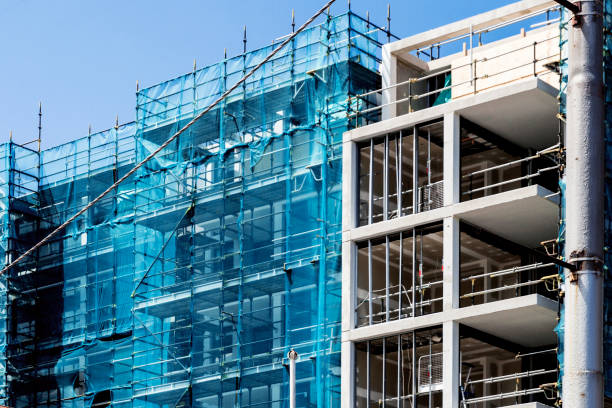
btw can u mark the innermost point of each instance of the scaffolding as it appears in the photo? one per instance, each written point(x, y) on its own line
point(191, 281)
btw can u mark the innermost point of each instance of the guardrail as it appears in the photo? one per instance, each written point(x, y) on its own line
point(369, 105)
point(549, 152)
point(548, 280)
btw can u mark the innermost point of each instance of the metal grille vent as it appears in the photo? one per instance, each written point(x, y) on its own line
point(430, 373)
point(431, 196)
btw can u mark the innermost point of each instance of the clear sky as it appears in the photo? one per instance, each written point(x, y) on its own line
point(81, 58)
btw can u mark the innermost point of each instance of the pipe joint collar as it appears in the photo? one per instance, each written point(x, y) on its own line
point(586, 8)
point(585, 265)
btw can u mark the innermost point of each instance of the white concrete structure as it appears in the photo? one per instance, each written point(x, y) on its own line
point(450, 215)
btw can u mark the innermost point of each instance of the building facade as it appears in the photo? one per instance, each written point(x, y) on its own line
point(453, 218)
point(393, 211)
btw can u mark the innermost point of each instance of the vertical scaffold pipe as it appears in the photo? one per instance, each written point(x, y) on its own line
point(583, 360)
point(292, 356)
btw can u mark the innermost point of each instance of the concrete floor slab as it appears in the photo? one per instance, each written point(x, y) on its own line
point(505, 214)
point(537, 214)
point(531, 102)
point(505, 319)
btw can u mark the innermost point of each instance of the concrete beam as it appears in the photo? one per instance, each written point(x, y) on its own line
point(462, 27)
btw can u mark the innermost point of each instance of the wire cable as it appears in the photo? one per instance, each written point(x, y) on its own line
point(167, 142)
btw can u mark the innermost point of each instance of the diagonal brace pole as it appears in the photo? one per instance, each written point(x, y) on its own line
point(167, 142)
point(163, 248)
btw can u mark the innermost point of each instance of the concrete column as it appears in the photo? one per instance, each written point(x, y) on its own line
point(450, 374)
point(350, 191)
point(349, 268)
point(348, 375)
point(389, 77)
point(450, 275)
point(452, 163)
point(350, 185)
point(350, 219)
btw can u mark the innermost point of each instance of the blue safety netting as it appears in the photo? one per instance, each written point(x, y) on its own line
point(188, 285)
point(563, 69)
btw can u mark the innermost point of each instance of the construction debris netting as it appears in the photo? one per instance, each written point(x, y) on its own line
point(189, 284)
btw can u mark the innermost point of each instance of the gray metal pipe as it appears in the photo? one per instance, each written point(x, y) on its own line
point(583, 375)
point(292, 356)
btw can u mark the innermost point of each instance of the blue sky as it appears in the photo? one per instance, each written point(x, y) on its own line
point(82, 58)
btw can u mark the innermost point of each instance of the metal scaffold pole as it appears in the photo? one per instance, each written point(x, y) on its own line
point(293, 356)
point(583, 362)
point(168, 141)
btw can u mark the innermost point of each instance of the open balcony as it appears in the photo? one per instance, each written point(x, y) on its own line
point(407, 370)
point(464, 59)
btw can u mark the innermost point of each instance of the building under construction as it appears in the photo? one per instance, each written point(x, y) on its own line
point(393, 210)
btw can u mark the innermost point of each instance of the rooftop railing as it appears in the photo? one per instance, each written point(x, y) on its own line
point(481, 72)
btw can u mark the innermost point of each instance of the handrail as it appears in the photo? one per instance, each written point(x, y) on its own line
point(505, 395)
point(509, 271)
point(502, 288)
point(552, 149)
point(514, 376)
point(352, 112)
point(514, 180)
point(491, 28)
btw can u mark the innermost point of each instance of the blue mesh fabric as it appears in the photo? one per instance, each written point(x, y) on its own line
point(188, 285)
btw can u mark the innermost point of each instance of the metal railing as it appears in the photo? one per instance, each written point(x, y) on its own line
point(549, 280)
point(361, 105)
point(550, 153)
point(430, 373)
point(514, 377)
point(405, 307)
point(429, 197)
point(489, 29)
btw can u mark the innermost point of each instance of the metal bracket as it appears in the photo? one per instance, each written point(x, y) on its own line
point(573, 277)
point(574, 8)
point(314, 74)
point(586, 259)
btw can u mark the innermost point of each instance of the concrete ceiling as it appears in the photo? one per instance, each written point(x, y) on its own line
point(537, 330)
point(529, 118)
point(536, 214)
